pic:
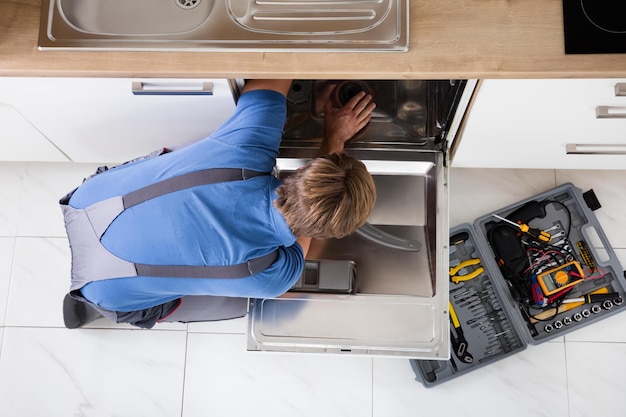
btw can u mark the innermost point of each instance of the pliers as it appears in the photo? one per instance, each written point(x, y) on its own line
point(459, 343)
point(466, 277)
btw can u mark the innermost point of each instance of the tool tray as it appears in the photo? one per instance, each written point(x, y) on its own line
point(500, 274)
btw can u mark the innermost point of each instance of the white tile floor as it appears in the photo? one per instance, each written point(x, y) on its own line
point(204, 370)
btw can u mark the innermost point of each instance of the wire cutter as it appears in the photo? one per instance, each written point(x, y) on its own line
point(458, 341)
point(454, 277)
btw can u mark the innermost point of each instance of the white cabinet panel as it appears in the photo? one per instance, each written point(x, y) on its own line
point(529, 123)
point(101, 120)
point(20, 141)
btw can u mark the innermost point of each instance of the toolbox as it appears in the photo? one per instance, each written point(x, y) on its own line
point(525, 274)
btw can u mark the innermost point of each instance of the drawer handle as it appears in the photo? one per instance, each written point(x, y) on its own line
point(620, 89)
point(140, 88)
point(610, 112)
point(595, 149)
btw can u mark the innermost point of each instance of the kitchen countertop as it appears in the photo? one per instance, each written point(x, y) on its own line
point(449, 39)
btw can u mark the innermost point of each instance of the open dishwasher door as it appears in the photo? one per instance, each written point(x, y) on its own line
point(384, 292)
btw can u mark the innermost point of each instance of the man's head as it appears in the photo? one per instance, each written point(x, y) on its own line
point(330, 197)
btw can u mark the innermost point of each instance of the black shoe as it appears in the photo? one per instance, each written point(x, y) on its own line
point(76, 313)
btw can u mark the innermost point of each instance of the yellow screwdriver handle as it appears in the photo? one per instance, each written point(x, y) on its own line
point(540, 234)
point(536, 233)
point(453, 316)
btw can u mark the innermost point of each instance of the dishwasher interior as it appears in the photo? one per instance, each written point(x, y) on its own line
point(384, 289)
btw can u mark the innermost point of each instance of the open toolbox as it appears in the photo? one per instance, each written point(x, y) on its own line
point(512, 285)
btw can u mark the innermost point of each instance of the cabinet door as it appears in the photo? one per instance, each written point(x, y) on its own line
point(21, 141)
point(105, 121)
point(534, 123)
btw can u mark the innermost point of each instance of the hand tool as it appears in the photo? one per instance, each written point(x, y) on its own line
point(585, 253)
point(458, 240)
point(482, 323)
point(551, 312)
point(593, 298)
point(555, 227)
point(462, 292)
point(455, 368)
point(536, 233)
point(470, 302)
point(466, 277)
point(459, 343)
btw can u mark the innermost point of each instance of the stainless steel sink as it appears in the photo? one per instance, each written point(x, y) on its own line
point(380, 25)
point(132, 18)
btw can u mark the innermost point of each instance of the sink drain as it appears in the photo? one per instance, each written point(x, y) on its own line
point(187, 4)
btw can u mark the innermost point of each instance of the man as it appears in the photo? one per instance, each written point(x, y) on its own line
point(142, 256)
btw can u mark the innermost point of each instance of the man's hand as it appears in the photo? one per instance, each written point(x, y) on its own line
point(341, 124)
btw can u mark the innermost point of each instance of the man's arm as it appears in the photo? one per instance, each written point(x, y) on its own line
point(305, 243)
point(341, 124)
point(280, 86)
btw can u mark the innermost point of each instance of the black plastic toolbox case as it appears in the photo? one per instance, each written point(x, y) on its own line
point(492, 313)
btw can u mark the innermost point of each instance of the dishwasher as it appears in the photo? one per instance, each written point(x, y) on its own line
point(384, 289)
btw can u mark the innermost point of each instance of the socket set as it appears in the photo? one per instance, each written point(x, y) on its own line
point(526, 274)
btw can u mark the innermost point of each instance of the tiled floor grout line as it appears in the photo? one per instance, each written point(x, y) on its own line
point(8, 289)
point(372, 387)
point(182, 397)
point(567, 387)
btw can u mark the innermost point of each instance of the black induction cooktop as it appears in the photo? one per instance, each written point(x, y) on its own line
point(594, 26)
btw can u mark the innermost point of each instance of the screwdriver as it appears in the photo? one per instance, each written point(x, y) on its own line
point(592, 298)
point(536, 233)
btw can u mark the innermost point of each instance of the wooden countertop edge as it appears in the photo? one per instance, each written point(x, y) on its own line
point(310, 75)
point(128, 64)
point(449, 40)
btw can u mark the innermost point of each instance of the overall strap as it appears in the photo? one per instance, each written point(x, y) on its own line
point(253, 266)
point(184, 181)
point(181, 182)
point(91, 261)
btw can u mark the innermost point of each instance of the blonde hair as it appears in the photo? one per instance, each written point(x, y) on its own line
point(329, 197)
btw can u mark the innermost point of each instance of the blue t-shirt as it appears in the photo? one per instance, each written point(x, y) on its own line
point(219, 224)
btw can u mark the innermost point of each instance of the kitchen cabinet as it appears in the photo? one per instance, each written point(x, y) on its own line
point(21, 141)
point(113, 120)
point(556, 124)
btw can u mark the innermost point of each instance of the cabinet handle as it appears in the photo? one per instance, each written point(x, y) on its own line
point(140, 88)
point(620, 89)
point(610, 112)
point(595, 149)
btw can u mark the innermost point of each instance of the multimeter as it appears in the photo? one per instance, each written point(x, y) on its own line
point(561, 277)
